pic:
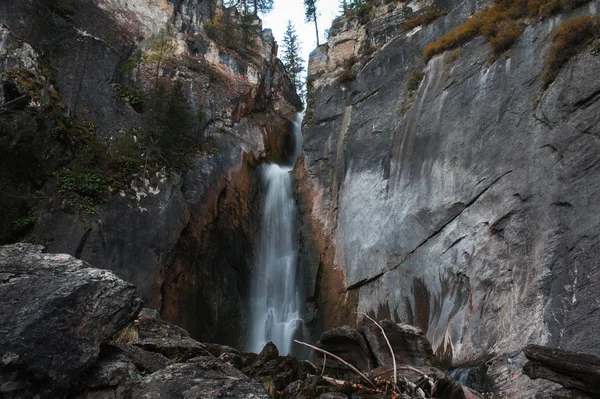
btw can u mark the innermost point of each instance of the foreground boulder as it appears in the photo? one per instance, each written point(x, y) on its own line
point(277, 370)
point(70, 330)
point(158, 336)
point(202, 377)
point(409, 343)
point(349, 344)
point(55, 311)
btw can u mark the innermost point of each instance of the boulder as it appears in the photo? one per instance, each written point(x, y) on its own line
point(570, 369)
point(55, 311)
point(283, 370)
point(202, 377)
point(347, 343)
point(312, 387)
point(142, 359)
point(410, 344)
point(446, 388)
point(111, 377)
point(171, 341)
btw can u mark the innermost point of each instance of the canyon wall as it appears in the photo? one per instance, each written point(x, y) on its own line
point(183, 235)
point(466, 204)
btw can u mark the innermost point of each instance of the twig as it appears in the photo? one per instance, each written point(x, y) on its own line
point(389, 347)
point(409, 368)
point(324, 361)
point(415, 370)
point(6, 104)
point(333, 381)
point(351, 367)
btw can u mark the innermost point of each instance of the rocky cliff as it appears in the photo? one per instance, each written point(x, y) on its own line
point(456, 190)
point(130, 134)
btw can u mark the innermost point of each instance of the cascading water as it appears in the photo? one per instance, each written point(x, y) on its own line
point(275, 295)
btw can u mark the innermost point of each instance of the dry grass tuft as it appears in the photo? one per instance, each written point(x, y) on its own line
point(424, 19)
point(501, 24)
point(414, 81)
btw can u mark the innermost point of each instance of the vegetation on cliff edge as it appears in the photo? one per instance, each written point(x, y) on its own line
point(570, 38)
point(501, 24)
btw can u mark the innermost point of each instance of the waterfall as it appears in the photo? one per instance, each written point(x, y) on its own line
point(276, 301)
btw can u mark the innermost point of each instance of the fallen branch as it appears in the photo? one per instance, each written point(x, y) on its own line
point(408, 368)
point(389, 347)
point(345, 363)
point(16, 100)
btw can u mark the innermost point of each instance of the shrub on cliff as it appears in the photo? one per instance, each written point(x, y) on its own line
point(237, 34)
point(161, 52)
point(360, 9)
point(501, 24)
point(422, 20)
point(570, 38)
point(414, 81)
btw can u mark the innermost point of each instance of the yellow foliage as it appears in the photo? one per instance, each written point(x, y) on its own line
point(424, 19)
point(501, 24)
point(568, 40)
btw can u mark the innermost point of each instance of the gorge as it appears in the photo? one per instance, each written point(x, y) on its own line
point(447, 177)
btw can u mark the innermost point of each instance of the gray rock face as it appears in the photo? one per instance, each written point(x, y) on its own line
point(474, 214)
point(186, 241)
point(190, 13)
point(55, 311)
point(201, 377)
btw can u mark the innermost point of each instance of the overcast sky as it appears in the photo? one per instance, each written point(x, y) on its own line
point(293, 10)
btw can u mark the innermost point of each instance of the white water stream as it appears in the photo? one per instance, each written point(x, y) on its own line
point(275, 296)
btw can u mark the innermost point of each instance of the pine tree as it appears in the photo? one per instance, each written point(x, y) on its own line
point(310, 13)
point(344, 7)
point(262, 6)
point(292, 61)
point(178, 114)
point(254, 7)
